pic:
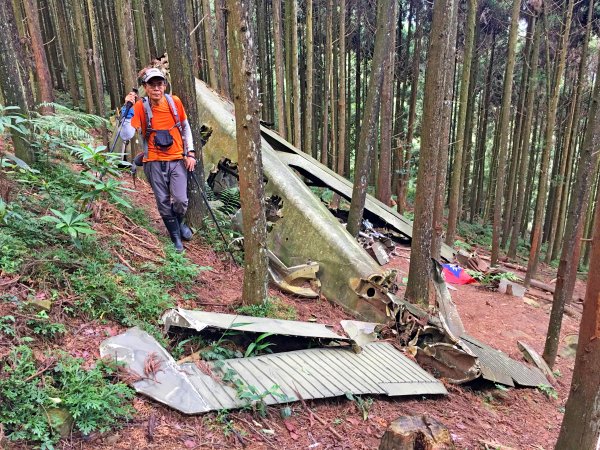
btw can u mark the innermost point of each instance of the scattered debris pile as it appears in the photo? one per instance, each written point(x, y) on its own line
point(335, 367)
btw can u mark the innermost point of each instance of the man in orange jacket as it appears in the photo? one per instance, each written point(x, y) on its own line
point(168, 150)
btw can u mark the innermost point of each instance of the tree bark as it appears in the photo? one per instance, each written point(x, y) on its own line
point(368, 132)
point(247, 110)
point(417, 289)
point(95, 41)
point(124, 26)
point(44, 80)
point(15, 87)
point(383, 191)
point(68, 51)
point(221, 31)
point(308, 140)
point(209, 40)
point(444, 139)
point(581, 427)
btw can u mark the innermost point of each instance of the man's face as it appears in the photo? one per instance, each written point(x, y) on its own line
point(155, 88)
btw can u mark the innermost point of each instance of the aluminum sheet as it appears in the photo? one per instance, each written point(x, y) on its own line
point(310, 374)
point(199, 320)
point(496, 366)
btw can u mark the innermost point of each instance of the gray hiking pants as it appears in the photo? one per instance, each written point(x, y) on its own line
point(169, 183)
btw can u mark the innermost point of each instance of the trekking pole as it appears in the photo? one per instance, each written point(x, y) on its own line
point(192, 175)
point(128, 106)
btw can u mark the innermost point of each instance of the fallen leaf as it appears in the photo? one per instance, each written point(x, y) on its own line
point(188, 443)
point(353, 421)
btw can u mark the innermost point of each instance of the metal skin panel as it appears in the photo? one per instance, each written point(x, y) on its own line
point(199, 320)
point(498, 367)
point(307, 374)
point(307, 231)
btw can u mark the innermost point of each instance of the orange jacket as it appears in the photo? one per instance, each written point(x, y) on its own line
point(162, 119)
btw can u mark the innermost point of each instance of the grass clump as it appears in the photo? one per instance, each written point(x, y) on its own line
point(272, 307)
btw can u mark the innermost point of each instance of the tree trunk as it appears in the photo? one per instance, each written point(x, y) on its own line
point(417, 289)
point(328, 55)
point(15, 87)
point(181, 65)
point(44, 80)
point(444, 142)
point(293, 23)
point(456, 177)
point(404, 176)
point(142, 44)
point(550, 122)
point(341, 154)
point(96, 64)
point(49, 36)
point(368, 132)
point(384, 178)
point(247, 110)
point(526, 145)
point(570, 141)
point(68, 51)
point(279, 69)
point(308, 140)
point(126, 46)
point(209, 40)
point(221, 32)
point(503, 129)
point(581, 427)
point(569, 260)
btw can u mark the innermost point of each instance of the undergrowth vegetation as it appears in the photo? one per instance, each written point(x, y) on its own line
point(59, 271)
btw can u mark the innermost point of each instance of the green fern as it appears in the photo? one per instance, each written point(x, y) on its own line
point(231, 200)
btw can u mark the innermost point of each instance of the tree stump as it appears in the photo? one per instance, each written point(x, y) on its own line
point(416, 433)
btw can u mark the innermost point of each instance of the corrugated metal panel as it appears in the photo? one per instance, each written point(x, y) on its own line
point(496, 366)
point(329, 372)
point(312, 373)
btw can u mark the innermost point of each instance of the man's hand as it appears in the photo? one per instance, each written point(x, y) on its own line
point(190, 163)
point(131, 97)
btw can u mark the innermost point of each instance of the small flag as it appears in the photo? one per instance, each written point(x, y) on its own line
point(457, 275)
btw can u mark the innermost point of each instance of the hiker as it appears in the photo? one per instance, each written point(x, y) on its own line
point(168, 150)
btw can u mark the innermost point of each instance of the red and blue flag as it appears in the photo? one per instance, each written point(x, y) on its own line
point(457, 275)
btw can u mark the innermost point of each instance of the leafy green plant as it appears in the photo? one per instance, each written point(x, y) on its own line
point(99, 159)
point(8, 212)
point(258, 346)
point(548, 391)
point(42, 326)
point(31, 394)
point(10, 119)
point(7, 325)
point(109, 189)
point(362, 404)
point(492, 278)
point(70, 222)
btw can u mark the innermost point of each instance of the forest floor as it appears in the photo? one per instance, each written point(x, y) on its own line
point(479, 416)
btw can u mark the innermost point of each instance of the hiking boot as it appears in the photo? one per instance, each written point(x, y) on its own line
point(174, 232)
point(186, 232)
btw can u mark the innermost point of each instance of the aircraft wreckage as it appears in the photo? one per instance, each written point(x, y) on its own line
point(304, 229)
point(307, 244)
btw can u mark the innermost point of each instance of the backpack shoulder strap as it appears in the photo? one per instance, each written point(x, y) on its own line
point(174, 112)
point(148, 112)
